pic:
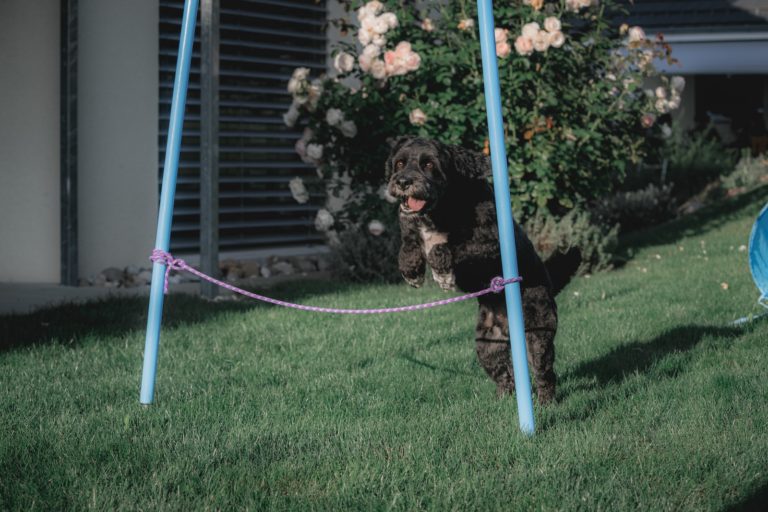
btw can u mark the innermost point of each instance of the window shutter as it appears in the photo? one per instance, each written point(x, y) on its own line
point(261, 43)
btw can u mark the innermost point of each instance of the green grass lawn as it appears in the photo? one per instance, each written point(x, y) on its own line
point(662, 404)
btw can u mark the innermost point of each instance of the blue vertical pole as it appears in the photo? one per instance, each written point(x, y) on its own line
point(170, 170)
point(504, 215)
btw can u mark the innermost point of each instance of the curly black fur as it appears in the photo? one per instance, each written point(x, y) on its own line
point(448, 220)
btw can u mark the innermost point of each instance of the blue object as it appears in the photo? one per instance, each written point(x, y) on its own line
point(758, 254)
point(504, 216)
point(165, 215)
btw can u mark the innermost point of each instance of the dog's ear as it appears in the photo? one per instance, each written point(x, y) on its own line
point(466, 163)
point(394, 143)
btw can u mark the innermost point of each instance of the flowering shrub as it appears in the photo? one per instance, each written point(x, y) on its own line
point(574, 106)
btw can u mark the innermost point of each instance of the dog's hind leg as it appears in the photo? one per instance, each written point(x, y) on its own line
point(493, 351)
point(541, 358)
point(540, 312)
point(492, 343)
point(494, 357)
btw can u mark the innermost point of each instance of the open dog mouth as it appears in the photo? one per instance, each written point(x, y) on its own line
point(413, 204)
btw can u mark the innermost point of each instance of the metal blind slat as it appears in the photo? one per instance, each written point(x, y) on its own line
point(261, 42)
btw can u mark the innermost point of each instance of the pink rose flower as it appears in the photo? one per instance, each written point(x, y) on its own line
point(530, 30)
point(556, 39)
point(523, 46)
point(552, 24)
point(503, 50)
point(402, 60)
point(466, 24)
point(500, 35)
point(647, 120)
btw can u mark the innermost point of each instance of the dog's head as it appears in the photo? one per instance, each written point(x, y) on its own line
point(419, 172)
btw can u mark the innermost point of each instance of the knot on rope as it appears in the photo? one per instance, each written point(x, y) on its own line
point(171, 263)
point(498, 283)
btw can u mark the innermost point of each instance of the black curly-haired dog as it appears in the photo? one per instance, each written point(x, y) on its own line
point(448, 220)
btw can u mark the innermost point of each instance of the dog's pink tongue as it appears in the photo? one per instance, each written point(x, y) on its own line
point(416, 204)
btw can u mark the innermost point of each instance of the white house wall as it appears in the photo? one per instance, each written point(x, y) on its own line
point(29, 140)
point(117, 132)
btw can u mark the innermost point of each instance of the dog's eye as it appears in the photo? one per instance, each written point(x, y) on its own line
point(429, 166)
point(400, 164)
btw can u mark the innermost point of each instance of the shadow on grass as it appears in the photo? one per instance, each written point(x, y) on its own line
point(757, 501)
point(663, 357)
point(70, 324)
point(429, 366)
point(708, 218)
point(641, 356)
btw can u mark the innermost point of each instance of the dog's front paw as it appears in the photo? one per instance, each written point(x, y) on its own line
point(447, 281)
point(415, 281)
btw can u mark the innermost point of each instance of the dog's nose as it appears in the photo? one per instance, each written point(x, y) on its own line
point(403, 182)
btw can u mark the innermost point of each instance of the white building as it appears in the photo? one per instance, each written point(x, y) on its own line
point(84, 98)
point(84, 95)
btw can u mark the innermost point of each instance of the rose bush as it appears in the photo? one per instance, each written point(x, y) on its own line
point(575, 109)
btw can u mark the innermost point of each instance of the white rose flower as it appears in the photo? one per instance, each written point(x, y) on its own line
point(636, 34)
point(369, 9)
point(379, 40)
point(348, 129)
point(661, 93)
point(427, 25)
point(367, 57)
point(662, 106)
point(334, 116)
point(298, 190)
point(301, 145)
point(291, 116)
point(574, 5)
point(378, 69)
point(673, 103)
point(645, 59)
point(530, 30)
point(379, 25)
point(294, 86)
point(375, 227)
point(556, 39)
point(343, 62)
point(371, 51)
point(678, 83)
point(298, 79)
point(323, 220)
point(417, 117)
point(363, 13)
point(374, 6)
point(552, 24)
point(365, 35)
point(390, 19)
point(314, 92)
point(315, 152)
point(541, 41)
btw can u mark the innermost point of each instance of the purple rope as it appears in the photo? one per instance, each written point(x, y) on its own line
point(160, 256)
